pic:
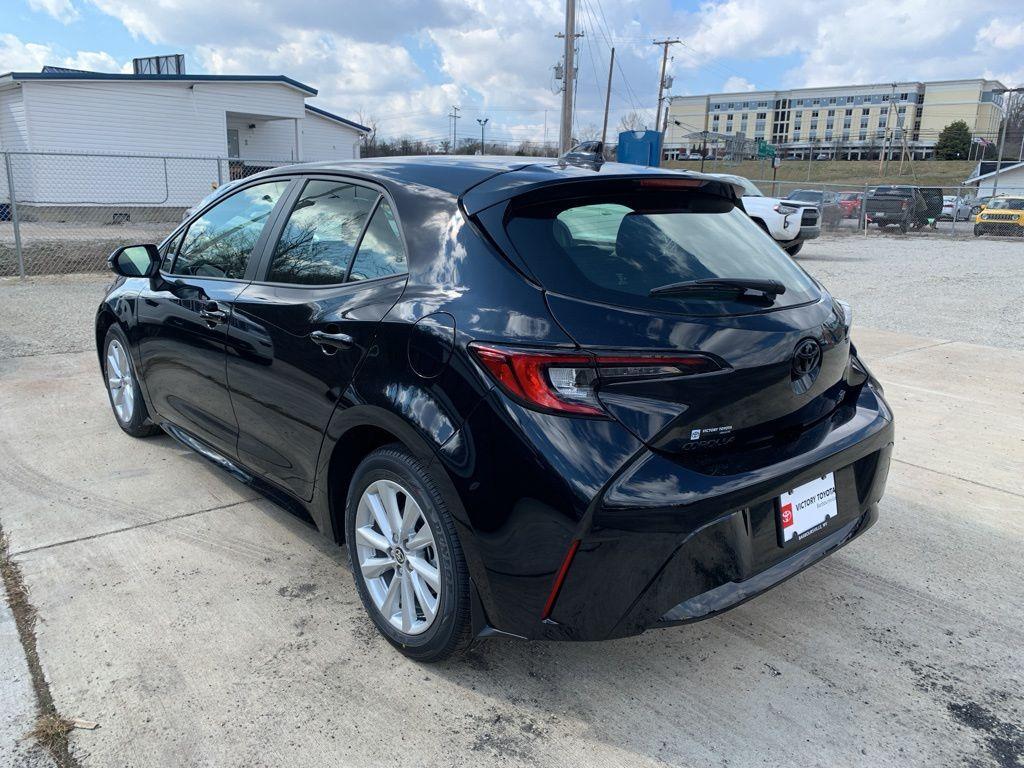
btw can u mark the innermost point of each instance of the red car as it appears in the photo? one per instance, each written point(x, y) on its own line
point(849, 203)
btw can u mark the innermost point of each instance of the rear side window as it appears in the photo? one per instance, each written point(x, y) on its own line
point(617, 247)
point(218, 243)
point(323, 229)
point(381, 252)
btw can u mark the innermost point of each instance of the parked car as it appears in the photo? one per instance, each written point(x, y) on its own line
point(979, 203)
point(790, 222)
point(827, 202)
point(850, 204)
point(956, 208)
point(901, 206)
point(533, 401)
point(586, 153)
point(1002, 215)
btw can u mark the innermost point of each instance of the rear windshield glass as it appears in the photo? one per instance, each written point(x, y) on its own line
point(616, 247)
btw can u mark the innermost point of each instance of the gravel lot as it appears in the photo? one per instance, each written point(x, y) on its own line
point(201, 625)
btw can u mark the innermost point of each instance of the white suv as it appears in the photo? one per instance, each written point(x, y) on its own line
point(789, 222)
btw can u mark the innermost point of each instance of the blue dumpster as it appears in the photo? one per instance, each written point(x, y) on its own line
point(639, 148)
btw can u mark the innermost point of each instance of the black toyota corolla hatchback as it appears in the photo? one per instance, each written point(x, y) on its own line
point(532, 399)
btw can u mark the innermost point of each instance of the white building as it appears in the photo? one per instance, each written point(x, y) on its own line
point(67, 119)
point(1011, 181)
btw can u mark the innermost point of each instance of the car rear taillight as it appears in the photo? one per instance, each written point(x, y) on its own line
point(568, 382)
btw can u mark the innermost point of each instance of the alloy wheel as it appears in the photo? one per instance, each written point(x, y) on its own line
point(120, 382)
point(397, 556)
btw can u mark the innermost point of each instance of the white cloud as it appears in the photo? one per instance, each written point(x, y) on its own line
point(62, 10)
point(19, 56)
point(16, 56)
point(1002, 34)
point(407, 61)
point(735, 84)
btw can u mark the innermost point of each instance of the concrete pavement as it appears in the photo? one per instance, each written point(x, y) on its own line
point(201, 625)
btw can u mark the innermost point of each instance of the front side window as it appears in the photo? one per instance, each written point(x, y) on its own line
point(381, 252)
point(218, 243)
point(317, 243)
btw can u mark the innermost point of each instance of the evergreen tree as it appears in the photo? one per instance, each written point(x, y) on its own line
point(954, 142)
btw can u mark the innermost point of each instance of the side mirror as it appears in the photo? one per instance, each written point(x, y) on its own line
point(135, 261)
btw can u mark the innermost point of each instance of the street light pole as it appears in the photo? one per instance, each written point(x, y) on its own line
point(482, 124)
point(1002, 137)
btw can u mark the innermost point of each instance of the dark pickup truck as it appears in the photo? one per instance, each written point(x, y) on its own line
point(905, 207)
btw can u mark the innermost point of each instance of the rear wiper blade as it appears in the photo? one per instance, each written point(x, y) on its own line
point(764, 285)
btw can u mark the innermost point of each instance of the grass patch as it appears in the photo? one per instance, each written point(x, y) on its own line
point(853, 173)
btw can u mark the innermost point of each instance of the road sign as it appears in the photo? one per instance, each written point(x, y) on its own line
point(764, 149)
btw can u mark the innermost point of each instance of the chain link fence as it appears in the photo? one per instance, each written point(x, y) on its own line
point(63, 212)
point(900, 209)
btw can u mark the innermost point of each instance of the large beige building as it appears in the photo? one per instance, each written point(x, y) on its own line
point(843, 122)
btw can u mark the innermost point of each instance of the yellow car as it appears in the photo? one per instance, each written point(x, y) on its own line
point(1002, 215)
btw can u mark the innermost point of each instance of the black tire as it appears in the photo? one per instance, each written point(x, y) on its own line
point(139, 425)
point(904, 226)
point(450, 631)
point(978, 231)
point(793, 250)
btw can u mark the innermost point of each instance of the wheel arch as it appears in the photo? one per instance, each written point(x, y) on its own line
point(354, 433)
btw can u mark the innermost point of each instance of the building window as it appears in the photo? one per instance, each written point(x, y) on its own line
point(831, 113)
point(828, 135)
point(847, 121)
point(904, 96)
point(849, 113)
point(814, 135)
point(846, 135)
point(863, 135)
point(814, 124)
point(832, 100)
point(796, 135)
point(814, 113)
point(864, 121)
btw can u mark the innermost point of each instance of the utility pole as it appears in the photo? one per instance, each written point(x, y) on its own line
point(661, 81)
point(568, 76)
point(607, 98)
point(883, 161)
point(454, 116)
point(482, 124)
point(1002, 136)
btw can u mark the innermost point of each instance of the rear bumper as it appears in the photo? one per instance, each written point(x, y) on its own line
point(668, 544)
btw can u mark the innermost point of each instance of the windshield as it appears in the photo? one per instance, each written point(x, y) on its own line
point(1007, 203)
point(808, 195)
point(616, 247)
point(849, 196)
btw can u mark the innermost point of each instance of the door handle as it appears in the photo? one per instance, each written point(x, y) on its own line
point(332, 340)
point(213, 314)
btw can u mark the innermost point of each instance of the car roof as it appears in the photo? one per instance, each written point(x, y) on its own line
point(458, 174)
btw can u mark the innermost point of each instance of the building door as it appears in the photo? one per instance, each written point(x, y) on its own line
point(233, 142)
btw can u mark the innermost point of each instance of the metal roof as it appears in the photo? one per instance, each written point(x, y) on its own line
point(336, 118)
point(109, 76)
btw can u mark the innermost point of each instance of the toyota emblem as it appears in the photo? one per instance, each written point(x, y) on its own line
point(806, 364)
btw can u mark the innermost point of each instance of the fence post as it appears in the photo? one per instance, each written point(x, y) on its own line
point(956, 209)
point(864, 209)
point(14, 215)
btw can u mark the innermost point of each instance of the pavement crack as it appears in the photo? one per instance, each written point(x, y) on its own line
point(899, 352)
point(960, 477)
point(146, 524)
point(51, 729)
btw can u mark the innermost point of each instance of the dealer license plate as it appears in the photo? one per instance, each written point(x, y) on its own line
point(807, 509)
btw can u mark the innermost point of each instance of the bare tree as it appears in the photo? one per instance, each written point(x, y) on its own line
point(632, 121)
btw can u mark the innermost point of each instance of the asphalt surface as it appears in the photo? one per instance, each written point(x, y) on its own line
point(201, 625)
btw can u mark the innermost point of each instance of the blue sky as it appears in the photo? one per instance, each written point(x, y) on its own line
point(403, 63)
